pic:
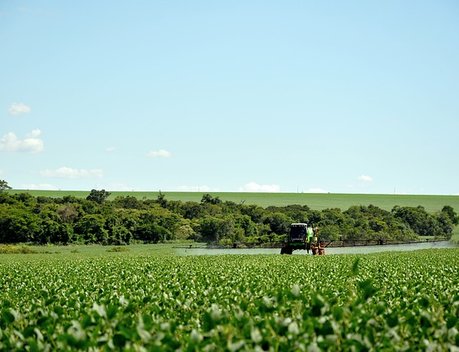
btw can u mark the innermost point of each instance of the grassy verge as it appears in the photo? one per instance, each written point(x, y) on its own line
point(16, 249)
point(10, 253)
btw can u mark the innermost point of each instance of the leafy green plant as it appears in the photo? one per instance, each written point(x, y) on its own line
point(387, 301)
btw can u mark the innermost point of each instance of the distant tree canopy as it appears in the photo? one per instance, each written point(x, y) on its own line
point(125, 220)
point(208, 199)
point(4, 186)
point(98, 196)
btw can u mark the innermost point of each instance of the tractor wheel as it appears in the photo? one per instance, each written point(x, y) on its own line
point(286, 250)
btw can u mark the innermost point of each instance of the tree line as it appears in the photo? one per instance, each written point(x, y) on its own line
point(126, 219)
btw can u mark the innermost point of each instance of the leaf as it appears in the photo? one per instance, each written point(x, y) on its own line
point(255, 335)
point(367, 289)
point(7, 317)
point(295, 290)
point(355, 266)
point(119, 340)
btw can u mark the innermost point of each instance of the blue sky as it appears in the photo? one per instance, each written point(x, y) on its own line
point(283, 96)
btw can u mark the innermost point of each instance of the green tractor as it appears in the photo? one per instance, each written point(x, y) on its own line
point(297, 238)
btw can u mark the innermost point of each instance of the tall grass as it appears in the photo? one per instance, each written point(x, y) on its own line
point(15, 249)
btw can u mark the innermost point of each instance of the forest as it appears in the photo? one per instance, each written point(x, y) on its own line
point(127, 219)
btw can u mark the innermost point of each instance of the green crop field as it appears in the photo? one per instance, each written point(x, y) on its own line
point(316, 201)
point(155, 301)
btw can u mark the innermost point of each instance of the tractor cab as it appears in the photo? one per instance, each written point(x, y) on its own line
point(296, 239)
point(298, 232)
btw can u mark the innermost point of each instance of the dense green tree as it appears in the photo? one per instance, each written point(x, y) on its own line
point(69, 213)
point(151, 232)
point(53, 230)
point(118, 234)
point(208, 199)
point(422, 223)
point(98, 196)
point(278, 222)
point(164, 218)
point(45, 200)
point(298, 213)
point(330, 232)
point(332, 217)
point(4, 186)
point(130, 219)
point(451, 213)
point(184, 230)
point(247, 225)
point(213, 229)
point(24, 218)
point(90, 207)
point(25, 198)
point(68, 199)
point(445, 225)
point(192, 210)
point(161, 200)
point(255, 212)
point(6, 198)
point(91, 229)
point(314, 217)
point(128, 202)
point(18, 224)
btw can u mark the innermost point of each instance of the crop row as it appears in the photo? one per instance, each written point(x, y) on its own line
point(395, 301)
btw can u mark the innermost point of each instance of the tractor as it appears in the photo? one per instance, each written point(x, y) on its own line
point(296, 239)
point(302, 236)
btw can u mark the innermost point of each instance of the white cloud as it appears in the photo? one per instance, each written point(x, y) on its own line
point(365, 178)
point(161, 153)
point(68, 172)
point(19, 108)
point(255, 187)
point(110, 149)
point(32, 143)
point(316, 190)
point(40, 186)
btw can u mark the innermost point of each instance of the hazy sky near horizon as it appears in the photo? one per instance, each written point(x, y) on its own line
point(244, 95)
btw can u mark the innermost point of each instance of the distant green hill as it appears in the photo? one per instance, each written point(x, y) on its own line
point(319, 201)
